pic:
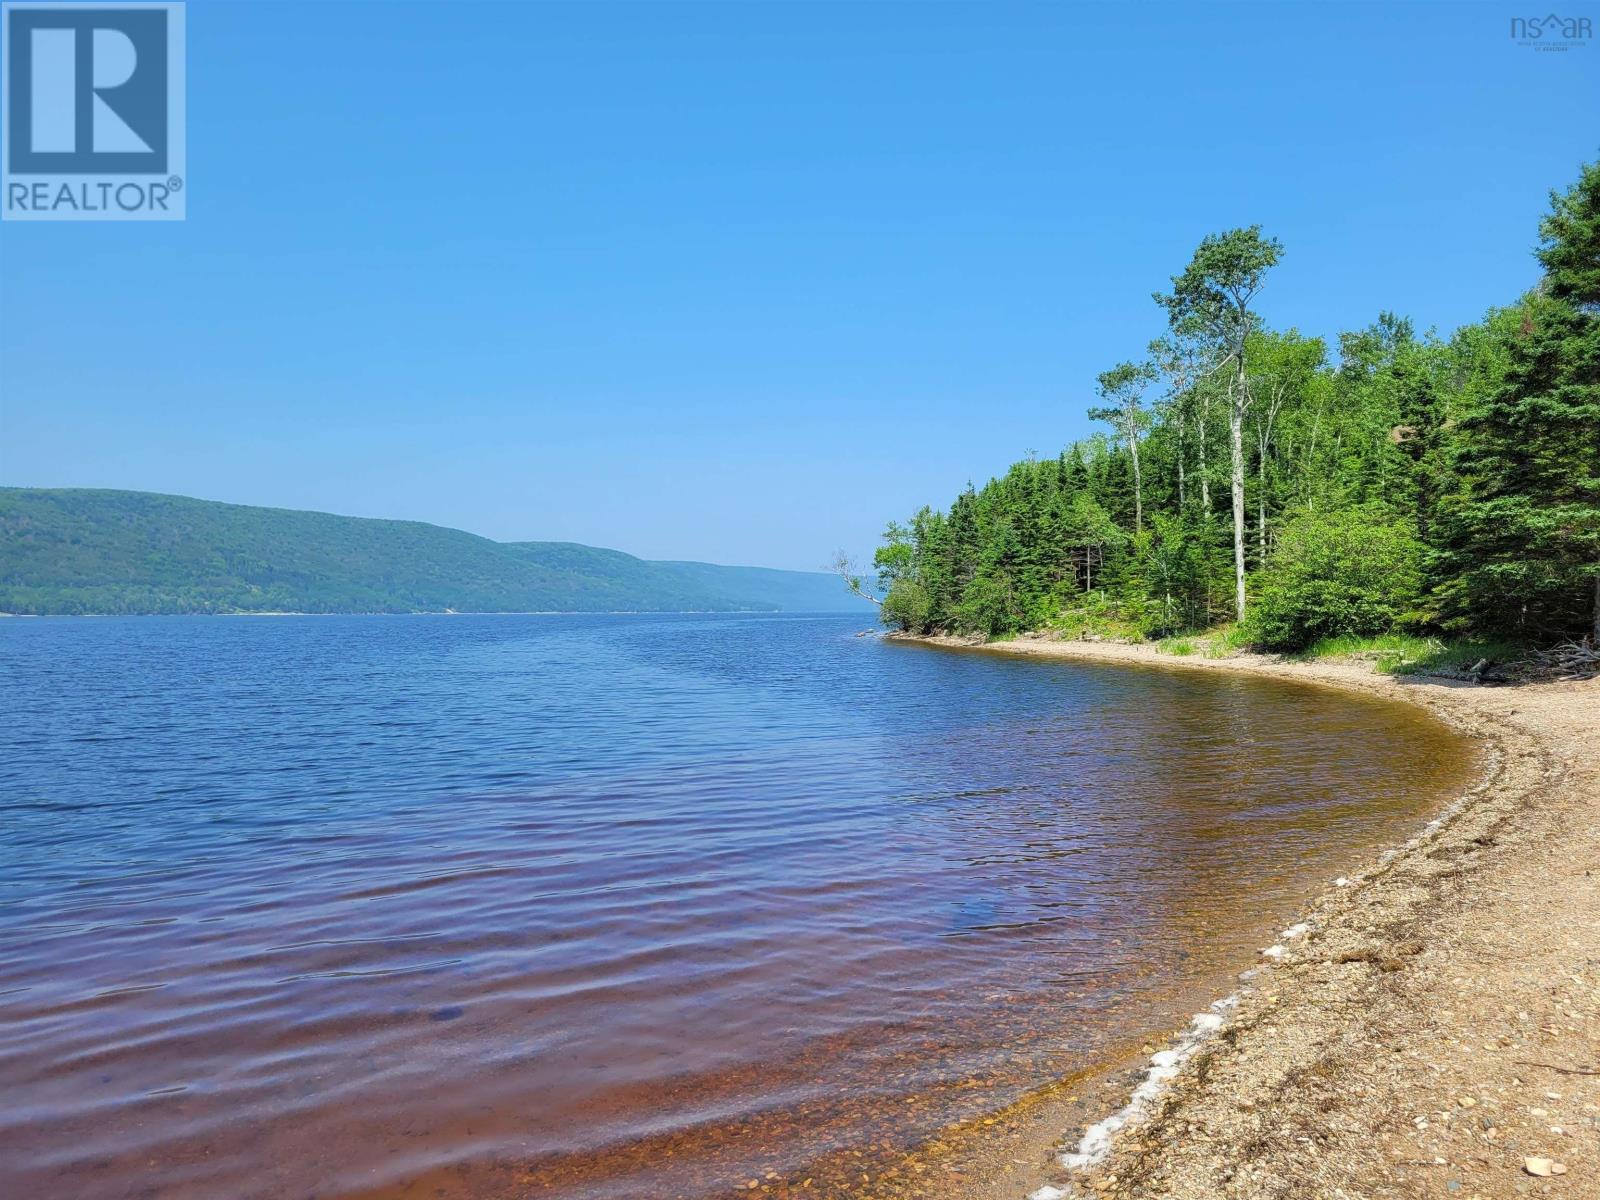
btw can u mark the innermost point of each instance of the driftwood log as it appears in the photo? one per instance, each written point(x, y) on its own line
point(1569, 660)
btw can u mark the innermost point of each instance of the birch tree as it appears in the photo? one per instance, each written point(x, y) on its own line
point(1123, 388)
point(1284, 364)
point(1185, 362)
point(1213, 297)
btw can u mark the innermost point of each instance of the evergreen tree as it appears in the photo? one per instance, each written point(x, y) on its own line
point(1525, 546)
point(1416, 484)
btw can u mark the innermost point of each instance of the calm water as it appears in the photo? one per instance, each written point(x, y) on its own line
point(611, 906)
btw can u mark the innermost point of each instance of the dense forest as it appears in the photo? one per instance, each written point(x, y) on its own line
point(1395, 482)
point(75, 550)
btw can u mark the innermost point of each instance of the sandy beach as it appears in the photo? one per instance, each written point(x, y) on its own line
point(1429, 1027)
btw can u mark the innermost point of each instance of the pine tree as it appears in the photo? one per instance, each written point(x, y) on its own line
point(1525, 543)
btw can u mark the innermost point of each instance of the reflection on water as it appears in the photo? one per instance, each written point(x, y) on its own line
point(611, 906)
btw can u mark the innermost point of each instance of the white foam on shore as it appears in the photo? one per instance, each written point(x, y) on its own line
point(1095, 1145)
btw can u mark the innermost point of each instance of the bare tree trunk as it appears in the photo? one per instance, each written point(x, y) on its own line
point(1265, 420)
point(1597, 608)
point(1205, 477)
point(845, 570)
point(1236, 448)
point(1183, 503)
point(1138, 486)
point(1306, 494)
point(1261, 505)
point(1261, 531)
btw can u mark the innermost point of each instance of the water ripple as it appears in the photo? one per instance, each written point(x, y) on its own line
point(383, 906)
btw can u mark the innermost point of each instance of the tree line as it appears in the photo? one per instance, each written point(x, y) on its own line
point(1396, 481)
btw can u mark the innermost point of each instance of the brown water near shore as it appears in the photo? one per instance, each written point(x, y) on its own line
point(604, 907)
point(1430, 1032)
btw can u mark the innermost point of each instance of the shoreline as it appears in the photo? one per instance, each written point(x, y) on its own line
point(1379, 1049)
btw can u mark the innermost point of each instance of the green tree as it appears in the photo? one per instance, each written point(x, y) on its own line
point(896, 558)
point(1525, 540)
point(1347, 572)
point(1184, 361)
point(1122, 388)
point(1168, 577)
point(1087, 525)
point(1212, 298)
point(1283, 368)
point(908, 605)
point(1420, 481)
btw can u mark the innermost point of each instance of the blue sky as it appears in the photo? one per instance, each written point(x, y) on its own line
point(739, 282)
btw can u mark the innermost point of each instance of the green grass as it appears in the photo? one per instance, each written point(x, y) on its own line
point(1217, 642)
point(1390, 653)
point(1226, 640)
point(1407, 654)
point(1097, 622)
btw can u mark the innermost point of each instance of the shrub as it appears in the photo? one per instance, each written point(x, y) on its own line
point(1334, 574)
point(988, 606)
point(908, 606)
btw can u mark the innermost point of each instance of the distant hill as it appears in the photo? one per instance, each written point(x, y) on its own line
point(79, 550)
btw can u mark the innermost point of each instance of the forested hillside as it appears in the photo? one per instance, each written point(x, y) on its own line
point(93, 551)
point(1397, 481)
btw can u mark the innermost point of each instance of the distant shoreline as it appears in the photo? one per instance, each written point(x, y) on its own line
point(82, 551)
point(1341, 1057)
